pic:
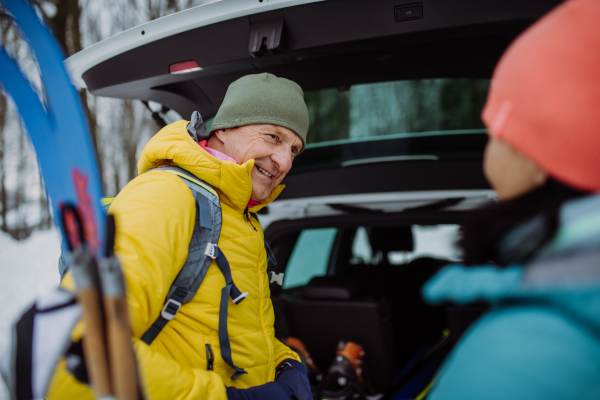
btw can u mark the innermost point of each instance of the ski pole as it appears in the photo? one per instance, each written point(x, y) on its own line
point(89, 295)
point(124, 372)
point(94, 342)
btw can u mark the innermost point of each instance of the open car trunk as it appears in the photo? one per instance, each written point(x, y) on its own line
point(321, 44)
point(335, 44)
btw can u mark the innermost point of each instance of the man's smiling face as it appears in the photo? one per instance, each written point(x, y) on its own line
point(272, 147)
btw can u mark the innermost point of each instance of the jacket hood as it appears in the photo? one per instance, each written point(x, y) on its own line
point(565, 275)
point(232, 181)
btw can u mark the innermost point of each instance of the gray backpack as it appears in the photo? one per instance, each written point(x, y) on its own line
point(202, 250)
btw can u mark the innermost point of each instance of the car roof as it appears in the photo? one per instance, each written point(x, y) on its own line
point(324, 44)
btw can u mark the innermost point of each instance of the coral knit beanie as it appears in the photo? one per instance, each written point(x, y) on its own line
point(544, 98)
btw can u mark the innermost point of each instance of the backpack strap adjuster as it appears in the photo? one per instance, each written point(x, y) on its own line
point(210, 250)
point(170, 309)
point(240, 298)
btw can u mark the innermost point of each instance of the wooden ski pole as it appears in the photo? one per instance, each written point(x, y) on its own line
point(123, 363)
point(85, 273)
point(89, 296)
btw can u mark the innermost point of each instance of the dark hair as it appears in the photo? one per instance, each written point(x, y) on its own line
point(485, 227)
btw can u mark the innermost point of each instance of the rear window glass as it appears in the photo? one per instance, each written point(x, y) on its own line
point(396, 108)
point(310, 256)
point(436, 241)
point(313, 249)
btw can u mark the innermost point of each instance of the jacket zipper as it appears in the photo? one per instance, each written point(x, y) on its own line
point(269, 343)
point(247, 214)
point(210, 357)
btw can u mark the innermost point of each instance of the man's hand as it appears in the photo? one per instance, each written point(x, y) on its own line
point(291, 382)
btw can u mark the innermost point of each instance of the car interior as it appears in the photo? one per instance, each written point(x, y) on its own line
point(360, 281)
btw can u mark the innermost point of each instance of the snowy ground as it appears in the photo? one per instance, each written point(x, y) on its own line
point(27, 269)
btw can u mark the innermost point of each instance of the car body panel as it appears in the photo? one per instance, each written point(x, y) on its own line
point(372, 203)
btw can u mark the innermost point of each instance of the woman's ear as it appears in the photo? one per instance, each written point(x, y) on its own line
point(510, 172)
point(538, 175)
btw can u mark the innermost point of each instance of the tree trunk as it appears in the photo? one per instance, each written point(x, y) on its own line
point(20, 195)
point(67, 29)
point(4, 28)
point(131, 132)
point(3, 194)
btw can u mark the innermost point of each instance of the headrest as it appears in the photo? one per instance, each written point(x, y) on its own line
point(386, 239)
point(330, 288)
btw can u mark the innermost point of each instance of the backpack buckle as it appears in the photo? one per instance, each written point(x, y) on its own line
point(210, 250)
point(170, 309)
point(277, 278)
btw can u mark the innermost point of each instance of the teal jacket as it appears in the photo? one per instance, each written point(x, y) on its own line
point(541, 338)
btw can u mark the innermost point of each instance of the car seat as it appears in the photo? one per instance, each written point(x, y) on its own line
point(329, 310)
point(414, 323)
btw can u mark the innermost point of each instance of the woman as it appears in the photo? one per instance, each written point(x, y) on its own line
point(541, 338)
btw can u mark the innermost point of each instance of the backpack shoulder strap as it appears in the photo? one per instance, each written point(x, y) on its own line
point(202, 250)
point(203, 194)
point(190, 179)
point(207, 229)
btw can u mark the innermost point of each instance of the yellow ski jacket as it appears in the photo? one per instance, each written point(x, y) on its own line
point(155, 216)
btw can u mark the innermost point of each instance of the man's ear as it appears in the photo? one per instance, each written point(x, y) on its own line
point(219, 134)
point(216, 140)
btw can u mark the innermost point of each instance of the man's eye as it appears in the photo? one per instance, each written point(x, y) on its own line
point(273, 136)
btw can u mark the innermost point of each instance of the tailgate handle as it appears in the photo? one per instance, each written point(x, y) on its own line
point(268, 35)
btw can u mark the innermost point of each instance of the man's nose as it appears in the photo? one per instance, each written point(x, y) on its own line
point(283, 158)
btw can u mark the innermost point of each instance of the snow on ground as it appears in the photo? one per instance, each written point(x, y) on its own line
point(27, 269)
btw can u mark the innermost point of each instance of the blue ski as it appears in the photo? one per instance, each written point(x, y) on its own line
point(58, 131)
point(59, 134)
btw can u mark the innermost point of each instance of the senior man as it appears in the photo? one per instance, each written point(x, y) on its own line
point(259, 129)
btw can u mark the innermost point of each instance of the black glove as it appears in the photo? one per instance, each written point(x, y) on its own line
point(291, 382)
point(76, 362)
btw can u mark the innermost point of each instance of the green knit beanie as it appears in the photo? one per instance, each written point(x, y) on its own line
point(263, 99)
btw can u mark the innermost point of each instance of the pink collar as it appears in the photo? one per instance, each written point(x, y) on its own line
point(215, 153)
point(224, 157)
point(252, 203)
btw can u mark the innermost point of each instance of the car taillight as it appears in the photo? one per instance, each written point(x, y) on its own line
point(184, 67)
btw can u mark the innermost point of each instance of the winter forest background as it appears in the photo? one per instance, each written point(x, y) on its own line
point(120, 128)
